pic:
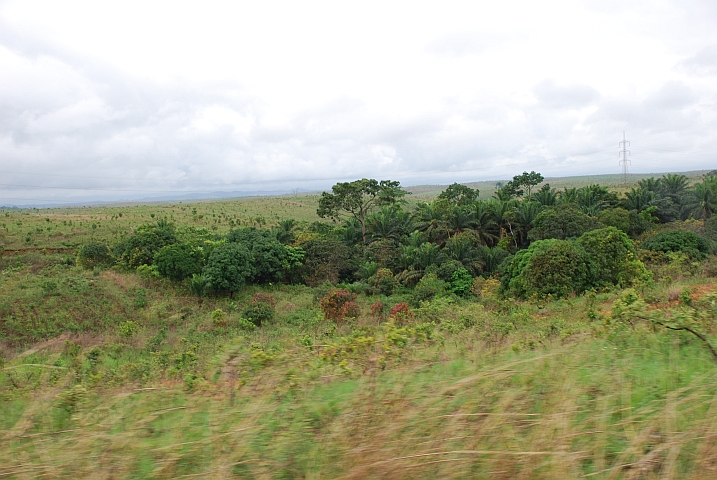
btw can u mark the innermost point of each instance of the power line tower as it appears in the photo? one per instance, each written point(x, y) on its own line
point(624, 161)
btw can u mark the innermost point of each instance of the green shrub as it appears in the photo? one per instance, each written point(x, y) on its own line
point(562, 223)
point(178, 261)
point(461, 282)
point(383, 282)
point(140, 248)
point(428, 287)
point(94, 254)
point(678, 241)
point(613, 255)
point(228, 268)
point(615, 217)
point(258, 313)
point(549, 267)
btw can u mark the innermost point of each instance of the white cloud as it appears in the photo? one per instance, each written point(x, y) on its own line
point(160, 97)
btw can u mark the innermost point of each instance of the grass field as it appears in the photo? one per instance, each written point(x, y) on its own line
point(109, 374)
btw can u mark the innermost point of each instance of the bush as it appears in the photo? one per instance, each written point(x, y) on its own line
point(614, 257)
point(383, 282)
point(428, 287)
point(140, 248)
point(461, 282)
point(563, 223)
point(228, 268)
point(678, 241)
point(94, 254)
point(258, 313)
point(615, 217)
point(339, 303)
point(327, 260)
point(178, 261)
point(549, 267)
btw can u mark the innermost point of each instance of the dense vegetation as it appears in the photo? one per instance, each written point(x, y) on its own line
point(537, 333)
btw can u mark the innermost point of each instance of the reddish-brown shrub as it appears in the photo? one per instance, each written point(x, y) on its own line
point(339, 303)
point(377, 309)
point(401, 312)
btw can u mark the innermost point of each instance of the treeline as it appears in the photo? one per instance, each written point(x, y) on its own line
point(534, 239)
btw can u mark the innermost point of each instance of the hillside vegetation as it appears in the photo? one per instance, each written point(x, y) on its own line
point(534, 332)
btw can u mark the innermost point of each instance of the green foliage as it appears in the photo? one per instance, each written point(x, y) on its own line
point(383, 282)
point(140, 248)
point(678, 241)
point(562, 223)
point(615, 217)
point(461, 282)
point(427, 288)
point(358, 198)
point(228, 268)
point(178, 261)
point(219, 318)
point(613, 255)
point(270, 256)
point(447, 268)
point(128, 328)
point(198, 286)
point(93, 255)
point(459, 194)
point(327, 259)
point(549, 267)
point(258, 313)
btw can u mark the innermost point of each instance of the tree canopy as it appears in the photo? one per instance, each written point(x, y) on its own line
point(358, 198)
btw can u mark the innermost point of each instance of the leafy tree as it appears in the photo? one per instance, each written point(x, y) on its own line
point(140, 248)
point(178, 261)
point(561, 223)
point(613, 254)
point(358, 198)
point(525, 181)
point(270, 255)
point(458, 194)
point(549, 267)
point(390, 223)
point(228, 268)
point(615, 217)
point(327, 259)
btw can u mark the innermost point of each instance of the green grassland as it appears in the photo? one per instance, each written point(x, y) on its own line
point(111, 374)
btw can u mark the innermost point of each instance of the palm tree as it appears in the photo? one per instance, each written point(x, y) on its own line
point(524, 217)
point(459, 219)
point(649, 184)
point(429, 220)
point(484, 226)
point(701, 200)
point(491, 258)
point(568, 195)
point(673, 185)
point(638, 199)
point(546, 196)
point(387, 224)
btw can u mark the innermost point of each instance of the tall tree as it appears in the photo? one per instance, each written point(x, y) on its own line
point(358, 198)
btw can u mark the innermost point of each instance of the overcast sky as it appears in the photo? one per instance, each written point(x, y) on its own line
point(150, 98)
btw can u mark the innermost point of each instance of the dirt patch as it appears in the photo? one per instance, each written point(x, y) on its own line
point(45, 345)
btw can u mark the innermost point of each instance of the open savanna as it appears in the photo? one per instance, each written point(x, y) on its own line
point(109, 373)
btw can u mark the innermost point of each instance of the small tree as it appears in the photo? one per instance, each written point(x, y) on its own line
point(178, 261)
point(228, 268)
point(339, 303)
point(459, 194)
point(356, 199)
point(198, 286)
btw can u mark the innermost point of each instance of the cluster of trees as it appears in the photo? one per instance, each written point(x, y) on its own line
point(538, 240)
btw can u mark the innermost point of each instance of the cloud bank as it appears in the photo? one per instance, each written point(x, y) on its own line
point(132, 101)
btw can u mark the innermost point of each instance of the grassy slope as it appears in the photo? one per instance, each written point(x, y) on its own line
point(489, 389)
